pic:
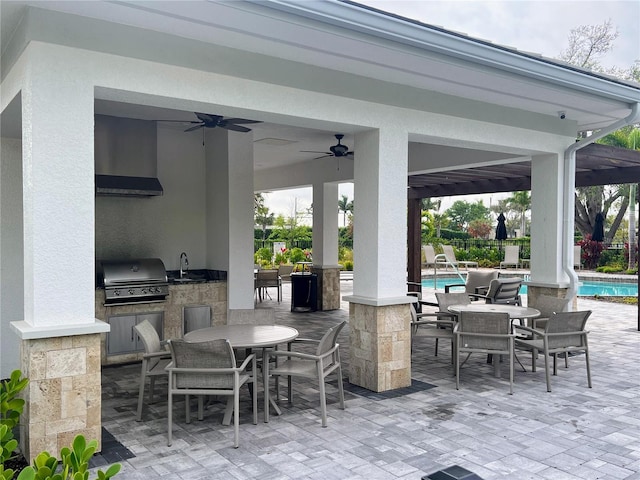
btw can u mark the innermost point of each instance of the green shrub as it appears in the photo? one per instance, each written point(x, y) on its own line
point(263, 256)
point(610, 269)
point(348, 265)
point(297, 255)
point(74, 465)
point(10, 410)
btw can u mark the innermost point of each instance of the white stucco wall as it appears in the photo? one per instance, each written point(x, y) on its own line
point(163, 226)
point(11, 252)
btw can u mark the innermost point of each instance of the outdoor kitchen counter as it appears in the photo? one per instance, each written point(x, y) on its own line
point(212, 292)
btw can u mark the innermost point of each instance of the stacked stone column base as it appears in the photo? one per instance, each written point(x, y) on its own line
point(63, 397)
point(380, 354)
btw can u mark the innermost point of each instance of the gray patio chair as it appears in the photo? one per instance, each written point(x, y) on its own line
point(477, 282)
point(547, 305)
point(265, 279)
point(489, 333)
point(502, 290)
point(209, 368)
point(154, 360)
point(318, 365)
point(437, 325)
point(564, 333)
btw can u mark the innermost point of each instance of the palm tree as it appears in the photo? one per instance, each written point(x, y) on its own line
point(521, 201)
point(345, 206)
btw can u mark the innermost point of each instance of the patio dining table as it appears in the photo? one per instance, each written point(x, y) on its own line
point(246, 336)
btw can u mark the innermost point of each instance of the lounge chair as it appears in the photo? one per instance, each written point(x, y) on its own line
point(511, 256)
point(451, 257)
point(431, 259)
point(577, 257)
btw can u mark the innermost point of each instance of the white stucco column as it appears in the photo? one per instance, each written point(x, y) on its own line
point(547, 187)
point(325, 224)
point(379, 318)
point(380, 215)
point(58, 203)
point(229, 160)
point(325, 244)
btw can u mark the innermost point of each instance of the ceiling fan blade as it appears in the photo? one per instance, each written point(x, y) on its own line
point(324, 156)
point(207, 118)
point(179, 121)
point(240, 120)
point(236, 128)
point(315, 151)
point(196, 127)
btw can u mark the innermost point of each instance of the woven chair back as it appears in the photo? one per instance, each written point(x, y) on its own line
point(496, 327)
point(566, 329)
point(205, 355)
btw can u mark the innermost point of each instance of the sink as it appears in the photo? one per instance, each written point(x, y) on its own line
point(187, 280)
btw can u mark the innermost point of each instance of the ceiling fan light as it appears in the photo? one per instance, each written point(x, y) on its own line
point(339, 150)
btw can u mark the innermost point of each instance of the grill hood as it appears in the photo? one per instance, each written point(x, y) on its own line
point(126, 152)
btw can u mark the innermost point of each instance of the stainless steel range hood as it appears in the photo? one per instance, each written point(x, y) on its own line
point(126, 152)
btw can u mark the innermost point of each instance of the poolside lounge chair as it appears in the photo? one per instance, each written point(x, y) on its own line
point(511, 256)
point(577, 257)
point(451, 257)
point(431, 259)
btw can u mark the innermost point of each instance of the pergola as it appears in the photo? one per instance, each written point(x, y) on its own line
point(595, 165)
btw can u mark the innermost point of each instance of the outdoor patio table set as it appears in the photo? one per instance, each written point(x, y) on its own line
point(210, 362)
point(488, 328)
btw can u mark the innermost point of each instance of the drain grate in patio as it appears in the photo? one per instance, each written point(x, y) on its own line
point(416, 386)
point(112, 452)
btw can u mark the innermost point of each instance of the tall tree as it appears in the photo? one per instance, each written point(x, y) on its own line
point(345, 206)
point(521, 202)
point(462, 213)
point(587, 45)
point(262, 216)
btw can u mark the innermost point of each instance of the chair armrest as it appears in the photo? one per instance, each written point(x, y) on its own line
point(477, 296)
point(306, 340)
point(306, 356)
point(530, 330)
point(447, 287)
point(166, 354)
point(245, 364)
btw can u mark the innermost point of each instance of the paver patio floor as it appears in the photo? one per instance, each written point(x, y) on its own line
point(571, 433)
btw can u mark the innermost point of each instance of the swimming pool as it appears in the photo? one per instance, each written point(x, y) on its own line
point(588, 288)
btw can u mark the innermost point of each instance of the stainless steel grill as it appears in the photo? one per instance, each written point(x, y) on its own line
point(141, 280)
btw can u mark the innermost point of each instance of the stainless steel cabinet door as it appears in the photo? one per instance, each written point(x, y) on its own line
point(195, 317)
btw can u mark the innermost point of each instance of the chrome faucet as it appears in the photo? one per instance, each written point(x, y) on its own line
point(186, 264)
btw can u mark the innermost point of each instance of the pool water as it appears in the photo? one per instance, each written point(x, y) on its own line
point(587, 288)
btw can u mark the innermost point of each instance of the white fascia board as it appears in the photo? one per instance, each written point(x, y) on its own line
point(438, 40)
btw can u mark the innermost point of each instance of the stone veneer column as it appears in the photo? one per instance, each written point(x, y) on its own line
point(533, 292)
point(63, 398)
point(380, 355)
point(328, 287)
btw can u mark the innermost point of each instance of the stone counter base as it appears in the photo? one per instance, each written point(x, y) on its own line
point(213, 294)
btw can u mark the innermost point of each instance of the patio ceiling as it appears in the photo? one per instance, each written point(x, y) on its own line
point(595, 165)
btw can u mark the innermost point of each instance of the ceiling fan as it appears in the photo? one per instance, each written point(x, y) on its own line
point(338, 150)
point(212, 121)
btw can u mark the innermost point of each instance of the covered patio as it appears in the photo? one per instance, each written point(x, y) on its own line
point(573, 433)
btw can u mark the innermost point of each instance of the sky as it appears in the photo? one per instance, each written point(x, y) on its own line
point(541, 27)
